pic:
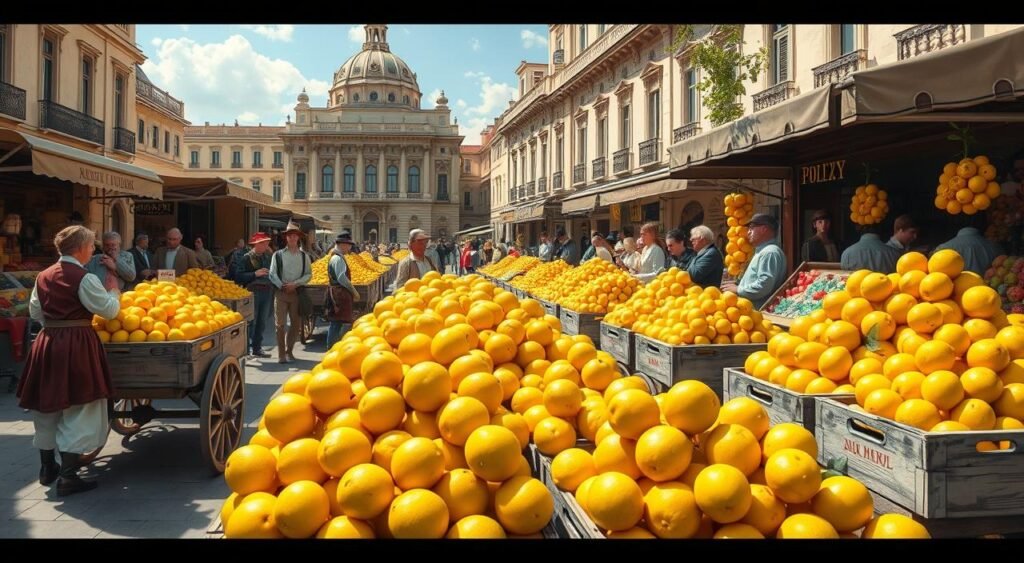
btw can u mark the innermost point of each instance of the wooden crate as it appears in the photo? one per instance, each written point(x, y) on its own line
point(781, 404)
point(620, 343)
point(246, 306)
point(550, 308)
point(170, 365)
point(574, 323)
point(829, 267)
point(932, 475)
point(668, 364)
point(568, 515)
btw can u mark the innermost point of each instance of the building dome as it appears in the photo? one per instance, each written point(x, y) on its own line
point(375, 75)
point(303, 97)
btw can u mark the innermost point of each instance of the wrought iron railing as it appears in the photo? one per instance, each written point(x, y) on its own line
point(277, 165)
point(776, 94)
point(348, 195)
point(556, 181)
point(193, 165)
point(369, 195)
point(414, 195)
point(392, 195)
point(66, 120)
point(124, 140)
point(300, 195)
point(621, 160)
point(214, 165)
point(257, 165)
point(325, 195)
point(542, 185)
point(597, 169)
point(558, 57)
point(512, 194)
point(839, 68)
point(12, 100)
point(147, 91)
point(531, 189)
point(579, 173)
point(929, 37)
point(650, 151)
point(442, 196)
point(685, 132)
point(236, 164)
point(521, 190)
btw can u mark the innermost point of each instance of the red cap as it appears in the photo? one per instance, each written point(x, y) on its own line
point(259, 237)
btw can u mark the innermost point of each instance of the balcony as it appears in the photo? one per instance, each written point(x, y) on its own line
point(597, 168)
point(325, 195)
point(650, 151)
point(621, 161)
point(158, 97)
point(12, 101)
point(922, 39)
point(838, 69)
point(531, 189)
point(596, 50)
point(369, 195)
point(214, 165)
point(124, 140)
point(558, 57)
point(414, 195)
point(521, 191)
point(236, 164)
point(511, 194)
point(579, 174)
point(193, 165)
point(277, 165)
point(348, 195)
point(685, 132)
point(66, 120)
point(542, 185)
point(556, 181)
point(257, 165)
point(442, 196)
point(300, 195)
point(774, 95)
point(392, 195)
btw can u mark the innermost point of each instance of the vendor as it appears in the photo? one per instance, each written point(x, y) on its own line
point(679, 255)
point(340, 292)
point(66, 381)
point(820, 247)
point(904, 233)
point(417, 263)
point(870, 253)
point(174, 256)
point(252, 271)
point(290, 270)
point(977, 251)
point(767, 268)
point(114, 267)
point(203, 255)
point(654, 256)
point(706, 267)
point(142, 259)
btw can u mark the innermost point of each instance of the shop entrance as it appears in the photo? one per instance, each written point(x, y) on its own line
point(371, 225)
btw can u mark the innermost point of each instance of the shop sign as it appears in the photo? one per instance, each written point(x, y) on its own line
point(636, 213)
point(616, 211)
point(823, 172)
point(507, 217)
point(165, 275)
point(156, 208)
point(530, 212)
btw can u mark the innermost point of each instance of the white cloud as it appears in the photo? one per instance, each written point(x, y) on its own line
point(248, 118)
point(472, 74)
point(474, 44)
point(494, 98)
point(273, 32)
point(429, 101)
point(532, 39)
point(185, 27)
point(356, 34)
point(220, 82)
point(156, 41)
point(461, 104)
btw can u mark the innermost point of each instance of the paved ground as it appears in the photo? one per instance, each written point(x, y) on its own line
point(152, 485)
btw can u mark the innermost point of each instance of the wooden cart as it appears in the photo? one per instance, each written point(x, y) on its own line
point(246, 306)
point(316, 294)
point(209, 370)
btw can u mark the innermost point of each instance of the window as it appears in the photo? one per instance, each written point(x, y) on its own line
point(193, 158)
point(581, 143)
point(625, 131)
point(277, 158)
point(582, 32)
point(602, 137)
point(49, 69)
point(600, 28)
point(690, 112)
point(393, 234)
point(467, 166)
point(405, 100)
point(257, 184)
point(119, 98)
point(466, 201)
point(155, 137)
point(257, 159)
point(86, 97)
point(373, 96)
point(300, 185)
point(177, 146)
point(414, 179)
point(537, 77)
point(391, 97)
point(654, 114)
point(167, 141)
point(371, 179)
point(327, 178)
point(847, 38)
point(349, 185)
point(533, 163)
point(515, 170)
point(5, 51)
point(355, 97)
point(522, 86)
point(392, 180)
point(215, 158)
point(276, 186)
point(442, 187)
point(559, 154)
point(236, 158)
point(543, 159)
point(780, 53)
point(142, 132)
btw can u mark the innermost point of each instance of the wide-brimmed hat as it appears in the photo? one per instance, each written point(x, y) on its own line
point(258, 238)
point(293, 227)
point(343, 238)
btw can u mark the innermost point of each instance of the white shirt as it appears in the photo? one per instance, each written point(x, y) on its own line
point(91, 293)
point(603, 254)
point(170, 256)
point(652, 263)
point(631, 260)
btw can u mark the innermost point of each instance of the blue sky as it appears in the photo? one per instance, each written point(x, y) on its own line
point(253, 73)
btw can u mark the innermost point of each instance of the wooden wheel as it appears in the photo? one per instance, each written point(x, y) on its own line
point(220, 418)
point(306, 328)
point(127, 426)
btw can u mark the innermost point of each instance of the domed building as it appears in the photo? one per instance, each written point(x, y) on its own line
point(373, 161)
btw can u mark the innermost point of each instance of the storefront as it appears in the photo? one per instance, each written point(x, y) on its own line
point(531, 219)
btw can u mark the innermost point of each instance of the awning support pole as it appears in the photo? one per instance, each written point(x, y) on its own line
point(13, 152)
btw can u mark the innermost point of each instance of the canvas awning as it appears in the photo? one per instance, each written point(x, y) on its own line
point(200, 188)
point(580, 204)
point(633, 193)
point(529, 212)
point(475, 230)
point(972, 73)
point(22, 152)
point(792, 118)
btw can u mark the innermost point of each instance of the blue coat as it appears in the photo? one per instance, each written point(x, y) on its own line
point(706, 267)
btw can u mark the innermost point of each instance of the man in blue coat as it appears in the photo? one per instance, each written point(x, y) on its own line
point(705, 268)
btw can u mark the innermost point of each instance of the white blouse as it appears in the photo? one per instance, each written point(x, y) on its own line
point(652, 263)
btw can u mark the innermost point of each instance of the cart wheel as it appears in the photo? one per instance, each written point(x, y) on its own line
point(310, 327)
point(127, 426)
point(220, 418)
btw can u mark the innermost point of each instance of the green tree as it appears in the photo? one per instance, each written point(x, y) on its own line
point(718, 53)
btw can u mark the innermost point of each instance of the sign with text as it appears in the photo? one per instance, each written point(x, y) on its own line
point(160, 208)
point(165, 275)
point(823, 172)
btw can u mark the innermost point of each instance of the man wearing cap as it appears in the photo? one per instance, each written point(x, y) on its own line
point(252, 270)
point(565, 248)
point(820, 247)
point(340, 293)
point(767, 269)
point(870, 253)
point(290, 269)
point(904, 233)
point(417, 264)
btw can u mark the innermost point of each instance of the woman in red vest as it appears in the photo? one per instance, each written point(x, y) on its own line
point(66, 382)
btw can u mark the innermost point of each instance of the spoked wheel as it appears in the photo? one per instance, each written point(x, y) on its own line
point(306, 327)
point(127, 426)
point(220, 418)
point(87, 458)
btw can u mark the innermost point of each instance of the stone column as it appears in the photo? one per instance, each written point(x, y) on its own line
point(403, 175)
point(339, 178)
point(360, 173)
point(382, 176)
point(456, 172)
point(314, 173)
point(289, 176)
point(427, 180)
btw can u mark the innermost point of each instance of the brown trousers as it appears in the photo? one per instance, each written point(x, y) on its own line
point(286, 308)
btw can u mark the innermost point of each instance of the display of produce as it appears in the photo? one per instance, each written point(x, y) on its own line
point(869, 205)
point(806, 295)
point(575, 278)
point(1004, 218)
point(967, 186)
point(1006, 277)
point(362, 271)
point(510, 266)
point(647, 299)
point(368, 261)
point(739, 208)
point(205, 282)
point(541, 276)
point(164, 311)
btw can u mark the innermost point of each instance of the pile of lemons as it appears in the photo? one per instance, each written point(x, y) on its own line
point(368, 262)
point(928, 346)
point(205, 282)
point(564, 285)
point(510, 266)
point(869, 205)
point(967, 186)
point(164, 311)
point(542, 275)
point(739, 208)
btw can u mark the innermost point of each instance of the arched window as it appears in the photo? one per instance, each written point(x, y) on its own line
point(392, 179)
point(391, 97)
point(373, 96)
point(350, 179)
point(355, 97)
point(371, 179)
point(327, 182)
point(414, 179)
point(405, 100)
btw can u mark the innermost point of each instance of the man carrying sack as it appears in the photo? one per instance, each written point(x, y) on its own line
point(290, 270)
point(340, 294)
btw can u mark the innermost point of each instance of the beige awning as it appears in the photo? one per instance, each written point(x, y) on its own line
point(528, 212)
point(578, 204)
point(49, 158)
point(633, 193)
point(789, 119)
point(975, 72)
point(198, 188)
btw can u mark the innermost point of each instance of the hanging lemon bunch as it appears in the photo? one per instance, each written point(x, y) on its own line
point(967, 186)
point(739, 208)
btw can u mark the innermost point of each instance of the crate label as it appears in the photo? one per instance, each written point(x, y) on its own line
point(868, 453)
point(165, 275)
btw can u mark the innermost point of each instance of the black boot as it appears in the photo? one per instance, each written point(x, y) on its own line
point(69, 482)
point(48, 470)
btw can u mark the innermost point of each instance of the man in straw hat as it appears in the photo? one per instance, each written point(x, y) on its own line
point(290, 269)
point(340, 293)
point(417, 263)
point(252, 270)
